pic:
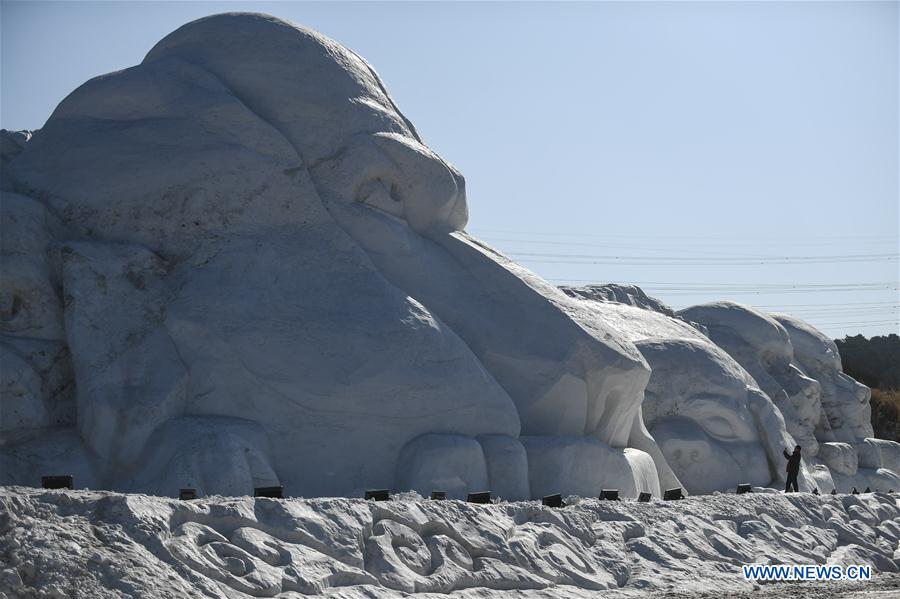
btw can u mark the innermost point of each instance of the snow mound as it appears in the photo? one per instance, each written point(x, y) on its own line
point(103, 544)
point(630, 295)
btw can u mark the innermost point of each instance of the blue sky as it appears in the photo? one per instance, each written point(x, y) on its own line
point(709, 150)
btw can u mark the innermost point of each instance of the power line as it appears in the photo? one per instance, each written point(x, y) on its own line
point(773, 292)
point(835, 317)
point(828, 305)
point(630, 260)
point(667, 248)
point(734, 285)
point(691, 237)
point(727, 292)
point(846, 314)
point(751, 288)
point(843, 317)
point(843, 324)
point(853, 308)
point(622, 245)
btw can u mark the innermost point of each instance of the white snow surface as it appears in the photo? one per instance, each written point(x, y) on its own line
point(100, 544)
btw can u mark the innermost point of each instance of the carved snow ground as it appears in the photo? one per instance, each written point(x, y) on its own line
point(102, 544)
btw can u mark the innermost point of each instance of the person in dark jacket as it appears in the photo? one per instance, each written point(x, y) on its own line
point(792, 468)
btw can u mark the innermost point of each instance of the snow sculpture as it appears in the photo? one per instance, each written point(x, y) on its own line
point(263, 267)
point(826, 411)
point(761, 345)
point(845, 414)
point(11, 145)
point(238, 264)
point(615, 293)
point(715, 428)
point(845, 419)
point(33, 350)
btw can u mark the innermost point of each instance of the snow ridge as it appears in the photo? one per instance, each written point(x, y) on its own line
point(102, 544)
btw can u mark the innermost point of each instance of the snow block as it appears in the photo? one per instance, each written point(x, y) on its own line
point(584, 466)
point(839, 457)
point(451, 463)
point(507, 465)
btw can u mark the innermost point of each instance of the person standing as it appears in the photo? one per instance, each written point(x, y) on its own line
point(792, 468)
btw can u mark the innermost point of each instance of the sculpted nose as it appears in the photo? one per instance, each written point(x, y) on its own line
point(799, 385)
point(850, 385)
point(811, 388)
point(687, 452)
point(434, 194)
point(458, 214)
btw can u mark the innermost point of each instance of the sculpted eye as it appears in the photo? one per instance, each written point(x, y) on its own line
point(378, 187)
point(718, 426)
point(382, 194)
point(10, 307)
point(719, 417)
point(368, 188)
point(395, 193)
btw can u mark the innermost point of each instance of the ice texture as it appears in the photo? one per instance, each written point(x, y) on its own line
point(102, 544)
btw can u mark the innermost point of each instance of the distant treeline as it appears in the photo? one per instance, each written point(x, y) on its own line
point(876, 363)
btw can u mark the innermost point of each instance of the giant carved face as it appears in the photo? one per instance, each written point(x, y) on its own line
point(697, 408)
point(846, 415)
point(205, 277)
point(714, 426)
point(333, 109)
point(762, 346)
point(275, 245)
point(404, 206)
